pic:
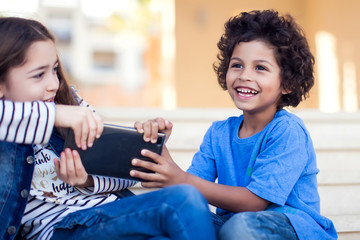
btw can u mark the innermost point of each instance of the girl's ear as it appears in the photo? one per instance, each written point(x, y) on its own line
point(1, 91)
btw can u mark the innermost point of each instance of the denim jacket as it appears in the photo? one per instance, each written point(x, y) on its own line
point(17, 166)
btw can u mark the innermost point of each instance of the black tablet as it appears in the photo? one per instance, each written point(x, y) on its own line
point(112, 153)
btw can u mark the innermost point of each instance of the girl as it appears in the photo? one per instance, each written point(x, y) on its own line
point(64, 202)
point(264, 160)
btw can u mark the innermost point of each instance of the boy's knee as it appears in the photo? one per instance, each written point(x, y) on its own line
point(240, 226)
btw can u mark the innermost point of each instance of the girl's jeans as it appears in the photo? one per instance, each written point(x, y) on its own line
point(177, 212)
point(255, 226)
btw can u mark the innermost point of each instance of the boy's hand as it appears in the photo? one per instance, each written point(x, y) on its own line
point(71, 170)
point(151, 128)
point(86, 124)
point(166, 171)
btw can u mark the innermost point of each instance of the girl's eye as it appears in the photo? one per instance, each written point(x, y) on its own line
point(56, 69)
point(261, 68)
point(38, 76)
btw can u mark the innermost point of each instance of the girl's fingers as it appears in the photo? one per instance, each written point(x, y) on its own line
point(92, 127)
point(70, 168)
point(100, 126)
point(84, 134)
point(57, 165)
point(79, 167)
point(77, 136)
point(62, 169)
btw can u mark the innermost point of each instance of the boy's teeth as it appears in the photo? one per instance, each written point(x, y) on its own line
point(247, 91)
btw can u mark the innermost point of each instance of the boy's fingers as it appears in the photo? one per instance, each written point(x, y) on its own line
point(154, 132)
point(145, 164)
point(139, 127)
point(154, 156)
point(149, 177)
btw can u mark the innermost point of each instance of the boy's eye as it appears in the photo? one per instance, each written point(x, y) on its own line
point(236, 65)
point(261, 68)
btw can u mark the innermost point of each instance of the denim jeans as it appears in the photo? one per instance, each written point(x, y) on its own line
point(177, 212)
point(255, 226)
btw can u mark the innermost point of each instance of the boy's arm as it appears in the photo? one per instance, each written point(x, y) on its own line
point(26, 122)
point(235, 199)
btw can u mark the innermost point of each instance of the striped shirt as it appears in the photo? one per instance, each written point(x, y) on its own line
point(26, 122)
point(51, 199)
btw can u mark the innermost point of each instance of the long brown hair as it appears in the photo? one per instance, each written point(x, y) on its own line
point(16, 36)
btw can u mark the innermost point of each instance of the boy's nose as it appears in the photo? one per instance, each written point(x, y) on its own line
point(245, 75)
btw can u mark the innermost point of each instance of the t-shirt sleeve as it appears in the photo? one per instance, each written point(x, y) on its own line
point(203, 162)
point(26, 122)
point(280, 164)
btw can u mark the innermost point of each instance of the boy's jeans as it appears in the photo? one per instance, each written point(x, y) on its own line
point(177, 212)
point(255, 226)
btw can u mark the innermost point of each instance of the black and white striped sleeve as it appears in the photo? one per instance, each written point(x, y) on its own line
point(104, 184)
point(26, 122)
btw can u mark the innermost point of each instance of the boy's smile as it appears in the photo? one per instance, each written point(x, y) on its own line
point(254, 78)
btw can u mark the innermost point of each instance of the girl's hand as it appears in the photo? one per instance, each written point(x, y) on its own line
point(86, 124)
point(151, 128)
point(71, 170)
point(166, 171)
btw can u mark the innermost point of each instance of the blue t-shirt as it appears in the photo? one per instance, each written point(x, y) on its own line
point(277, 164)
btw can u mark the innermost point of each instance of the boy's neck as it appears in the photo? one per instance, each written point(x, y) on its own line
point(254, 123)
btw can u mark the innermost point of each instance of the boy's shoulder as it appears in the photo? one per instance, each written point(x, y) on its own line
point(229, 122)
point(286, 120)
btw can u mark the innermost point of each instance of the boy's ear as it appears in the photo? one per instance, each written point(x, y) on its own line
point(285, 91)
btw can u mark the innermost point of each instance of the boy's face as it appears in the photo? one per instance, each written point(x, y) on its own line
point(253, 79)
point(37, 78)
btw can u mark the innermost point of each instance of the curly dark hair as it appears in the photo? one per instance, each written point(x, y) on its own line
point(291, 49)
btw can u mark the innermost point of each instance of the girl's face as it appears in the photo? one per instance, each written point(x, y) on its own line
point(254, 77)
point(37, 78)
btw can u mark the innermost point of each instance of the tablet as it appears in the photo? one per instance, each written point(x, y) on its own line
point(112, 153)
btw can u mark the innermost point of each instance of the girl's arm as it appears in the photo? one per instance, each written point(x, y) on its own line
point(33, 122)
point(235, 199)
point(26, 122)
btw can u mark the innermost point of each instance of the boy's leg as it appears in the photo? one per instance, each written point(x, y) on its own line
point(177, 212)
point(257, 226)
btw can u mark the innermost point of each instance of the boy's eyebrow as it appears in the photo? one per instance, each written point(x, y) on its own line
point(260, 60)
point(42, 67)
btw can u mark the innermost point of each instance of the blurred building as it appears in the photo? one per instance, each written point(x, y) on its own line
point(159, 53)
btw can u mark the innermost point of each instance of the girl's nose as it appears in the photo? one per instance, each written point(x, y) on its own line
point(53, 83)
